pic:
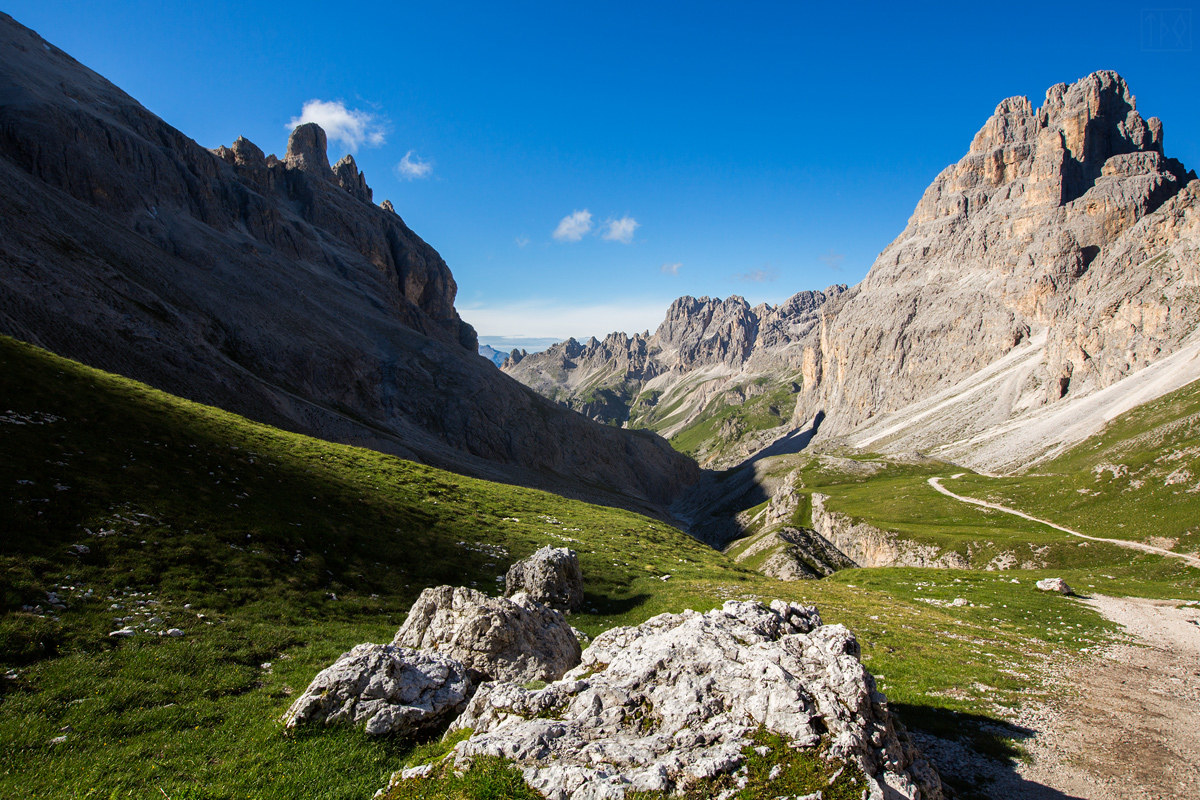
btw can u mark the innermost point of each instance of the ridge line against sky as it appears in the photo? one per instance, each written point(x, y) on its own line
point(581, 167)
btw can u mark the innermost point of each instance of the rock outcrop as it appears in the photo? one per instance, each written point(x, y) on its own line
point(781, 544)
point(676, 699)
point(386, 689)
point(869, 546)
point(501, 639)
point(272, 288)
point(550, 576)
point(306, 151)
point(1065, 230)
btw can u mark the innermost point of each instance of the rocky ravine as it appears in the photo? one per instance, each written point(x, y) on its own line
point(1065, 226)
point(271, 287)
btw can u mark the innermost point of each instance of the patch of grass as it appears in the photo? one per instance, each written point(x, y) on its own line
point(488, 778)
point(898, 499)
point(722, 423)
point(272, 552)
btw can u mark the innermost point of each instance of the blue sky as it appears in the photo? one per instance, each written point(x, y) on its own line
point(717, 148)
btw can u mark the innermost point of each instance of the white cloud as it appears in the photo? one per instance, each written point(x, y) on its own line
point(411, 167)
point(536, 319)
point(351, 127)
point(573, 226)
point(672, 268)
point(521, 241)
point(762, 275)
point(833, 259)
point(620, 230)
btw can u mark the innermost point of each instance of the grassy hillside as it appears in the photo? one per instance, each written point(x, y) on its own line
point(1139, 479)
point(273, 553)
point(1133, 481)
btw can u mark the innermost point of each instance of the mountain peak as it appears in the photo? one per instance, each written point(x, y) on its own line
point(307, 150)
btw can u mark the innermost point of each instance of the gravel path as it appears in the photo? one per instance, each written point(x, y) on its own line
point(936, 483)
point(1125, 726)
point(1128, 730)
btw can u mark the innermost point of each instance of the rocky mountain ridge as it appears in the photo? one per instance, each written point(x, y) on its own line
point(706, 352)
point(1064, 225)
point(271, 287)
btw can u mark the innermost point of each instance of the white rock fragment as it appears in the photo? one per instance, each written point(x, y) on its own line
point(512, 639)
point(550, 576)
point(1054, 585)
point(386, 689)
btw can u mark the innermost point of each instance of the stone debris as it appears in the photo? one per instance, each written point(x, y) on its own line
point(1054, 585)
point(507, 639)
point(676, 699)
point(550, 576)
point(386, 689)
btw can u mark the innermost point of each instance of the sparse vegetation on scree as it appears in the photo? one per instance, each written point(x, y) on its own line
point(272, 553)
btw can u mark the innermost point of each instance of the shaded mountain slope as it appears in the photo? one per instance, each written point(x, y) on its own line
point(274, 288)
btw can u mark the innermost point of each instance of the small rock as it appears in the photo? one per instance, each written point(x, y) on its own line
point(58, 740)
point(508, 639)
point(1054, 585)
point(123, 632)
point(551, 576)
point(386, 689)
point(174, 632)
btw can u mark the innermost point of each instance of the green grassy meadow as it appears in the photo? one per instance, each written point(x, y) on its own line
point(273, 553)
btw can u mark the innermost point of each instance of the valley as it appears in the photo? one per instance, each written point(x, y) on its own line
point(244, 427)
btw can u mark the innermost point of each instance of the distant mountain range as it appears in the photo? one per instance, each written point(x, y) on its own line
point(491, 354)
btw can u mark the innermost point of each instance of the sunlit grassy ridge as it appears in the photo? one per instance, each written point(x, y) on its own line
point(896, 497)
point(274, 552)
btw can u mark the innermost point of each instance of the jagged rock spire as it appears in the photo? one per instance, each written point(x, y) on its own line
point(306, 150)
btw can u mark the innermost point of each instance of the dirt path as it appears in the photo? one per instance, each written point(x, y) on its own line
point(936, 483)
point(1126, 726)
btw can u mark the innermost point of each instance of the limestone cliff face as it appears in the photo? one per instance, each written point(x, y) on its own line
point(869, 546)
point(1136, 303)
point(271, 287)
point(996, 244)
